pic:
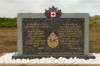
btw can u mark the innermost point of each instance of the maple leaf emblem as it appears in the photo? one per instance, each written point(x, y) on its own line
point(53, 12)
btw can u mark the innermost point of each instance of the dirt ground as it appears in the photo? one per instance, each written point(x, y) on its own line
point(8, 40)
point(95, 40)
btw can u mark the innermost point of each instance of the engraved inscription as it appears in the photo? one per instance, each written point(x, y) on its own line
point(69, 33)
point(34, 34)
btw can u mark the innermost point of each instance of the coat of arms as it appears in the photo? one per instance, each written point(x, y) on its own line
point(52, 40)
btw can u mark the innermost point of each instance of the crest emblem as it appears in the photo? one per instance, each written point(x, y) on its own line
point(52, 40)
point(53, 12)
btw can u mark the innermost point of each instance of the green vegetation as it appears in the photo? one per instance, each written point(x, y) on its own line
point(8, 22)
point(12, 22)
point(95, 21)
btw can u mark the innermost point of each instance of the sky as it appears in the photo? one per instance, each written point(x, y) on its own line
point(10, 8)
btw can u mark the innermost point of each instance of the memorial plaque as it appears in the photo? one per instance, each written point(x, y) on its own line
point(66, 37)
point(54, 34)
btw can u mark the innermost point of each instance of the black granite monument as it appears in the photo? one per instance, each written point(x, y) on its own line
point(53, 33)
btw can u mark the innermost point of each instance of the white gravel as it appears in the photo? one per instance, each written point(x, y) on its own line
point(7, 58)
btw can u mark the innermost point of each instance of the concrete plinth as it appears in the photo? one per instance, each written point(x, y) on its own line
point(16, 56)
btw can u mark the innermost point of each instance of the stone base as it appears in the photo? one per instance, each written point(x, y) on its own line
point(16, 56)
point(48, 64)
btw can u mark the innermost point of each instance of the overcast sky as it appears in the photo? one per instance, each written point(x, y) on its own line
point(10, 8)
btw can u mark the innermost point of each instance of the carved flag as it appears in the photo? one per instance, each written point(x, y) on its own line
point(53, 14)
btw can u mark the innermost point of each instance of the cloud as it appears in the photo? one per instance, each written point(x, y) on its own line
point(82, 6)
point(10, 8)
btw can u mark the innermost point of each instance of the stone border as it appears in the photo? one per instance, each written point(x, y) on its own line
point(64, 15)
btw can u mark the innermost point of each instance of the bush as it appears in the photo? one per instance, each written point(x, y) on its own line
point(8, 22)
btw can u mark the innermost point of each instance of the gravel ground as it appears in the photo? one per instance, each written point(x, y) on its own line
point(7, 58)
